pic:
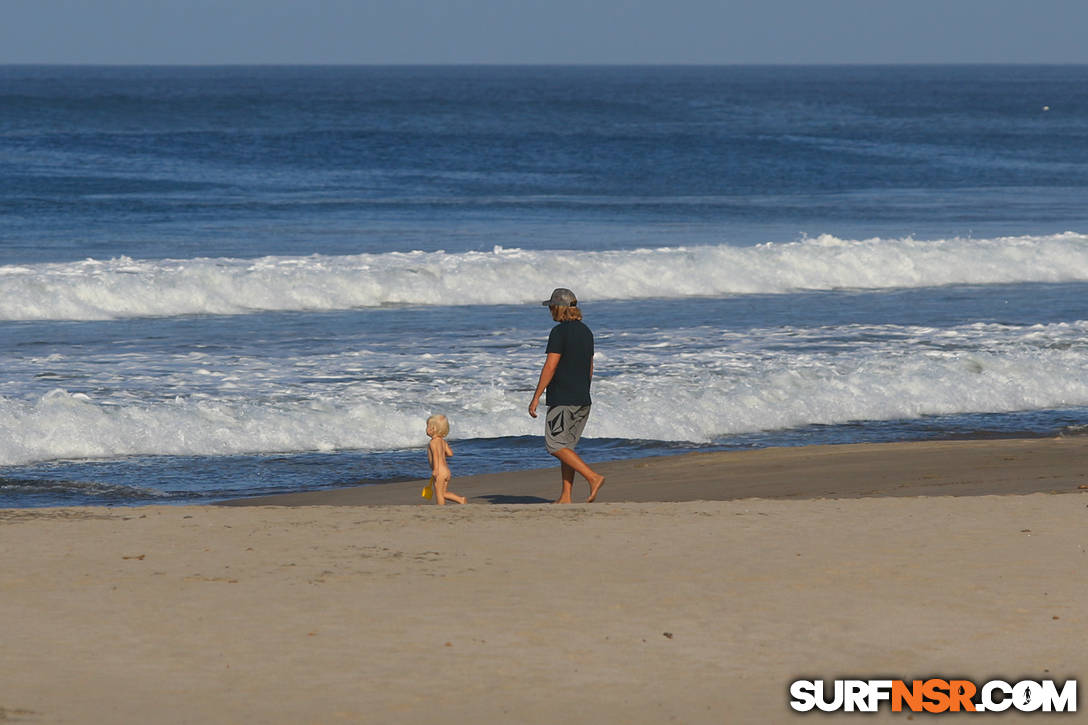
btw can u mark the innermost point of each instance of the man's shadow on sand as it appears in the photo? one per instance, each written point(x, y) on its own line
point(503, 498)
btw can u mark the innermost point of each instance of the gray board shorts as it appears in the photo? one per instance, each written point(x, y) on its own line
point(563, 426)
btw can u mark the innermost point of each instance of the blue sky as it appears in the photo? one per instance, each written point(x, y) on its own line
point(543, 31)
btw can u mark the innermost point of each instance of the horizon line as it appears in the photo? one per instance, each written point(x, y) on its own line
point(549, 64)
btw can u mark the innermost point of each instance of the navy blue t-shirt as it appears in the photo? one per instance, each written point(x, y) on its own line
point(574, 343)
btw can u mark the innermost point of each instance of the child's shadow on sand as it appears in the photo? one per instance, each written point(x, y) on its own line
point(503, 498)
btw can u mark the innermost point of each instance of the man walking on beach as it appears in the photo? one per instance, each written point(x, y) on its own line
point(567, 373)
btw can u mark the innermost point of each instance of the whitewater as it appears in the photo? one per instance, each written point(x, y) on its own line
point(123, 287)
point(696, 385)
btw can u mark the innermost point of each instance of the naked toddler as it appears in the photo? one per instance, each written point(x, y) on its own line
point(438, 450)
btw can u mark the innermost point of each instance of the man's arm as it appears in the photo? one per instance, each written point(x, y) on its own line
point(546, 375)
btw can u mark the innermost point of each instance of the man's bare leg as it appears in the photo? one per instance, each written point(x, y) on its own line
point(568, 482)
point(567, 457)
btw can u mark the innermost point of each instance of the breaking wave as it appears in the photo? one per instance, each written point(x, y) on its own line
point(124, 287)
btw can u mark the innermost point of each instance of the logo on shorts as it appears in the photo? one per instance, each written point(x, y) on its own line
point(556, 424)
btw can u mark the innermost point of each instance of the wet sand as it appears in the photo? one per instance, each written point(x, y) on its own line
point(938, 468)
point(677, 597)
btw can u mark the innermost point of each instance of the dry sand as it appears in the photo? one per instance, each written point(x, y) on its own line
point(651, 607)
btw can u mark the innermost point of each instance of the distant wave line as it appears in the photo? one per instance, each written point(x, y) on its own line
point(123, 287)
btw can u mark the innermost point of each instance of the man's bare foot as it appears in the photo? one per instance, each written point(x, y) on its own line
point(594, 487)
point(562, 499)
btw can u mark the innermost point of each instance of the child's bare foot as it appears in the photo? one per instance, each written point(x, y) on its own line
point(455, 497)
point(594, 487)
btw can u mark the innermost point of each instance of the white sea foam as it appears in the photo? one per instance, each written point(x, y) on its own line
point(124, 287)
point(729, 382)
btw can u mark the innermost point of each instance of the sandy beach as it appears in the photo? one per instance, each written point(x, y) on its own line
point(694, 591)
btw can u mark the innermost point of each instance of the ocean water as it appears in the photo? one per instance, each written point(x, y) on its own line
point(221, 282)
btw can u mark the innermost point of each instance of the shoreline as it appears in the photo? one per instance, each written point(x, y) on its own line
point(974, 467)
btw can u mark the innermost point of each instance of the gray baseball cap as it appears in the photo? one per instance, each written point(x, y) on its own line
point(561, 297)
